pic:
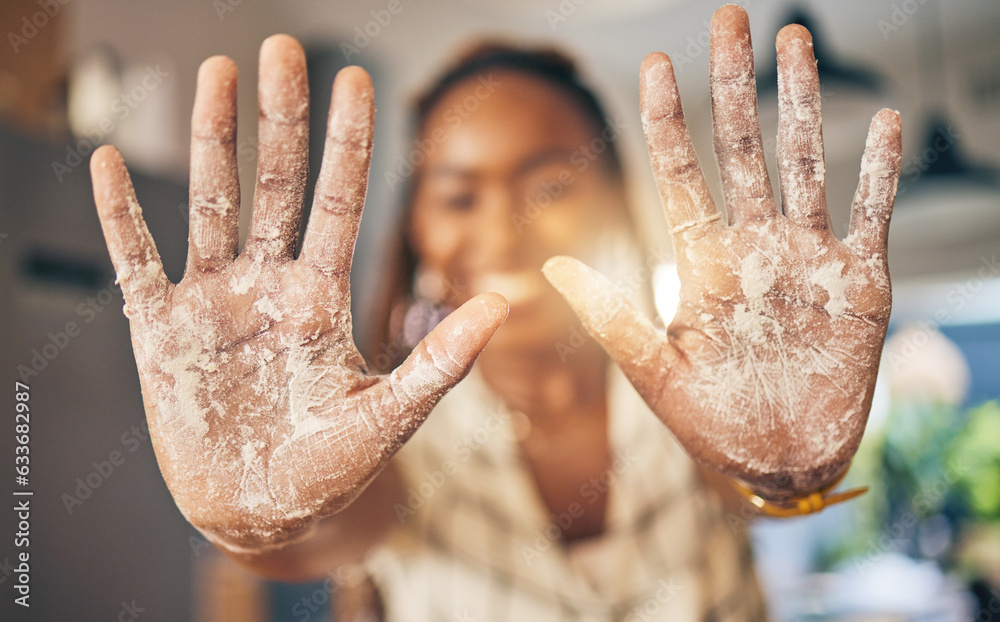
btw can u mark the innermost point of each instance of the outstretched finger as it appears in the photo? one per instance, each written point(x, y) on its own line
point(738, 148)
point(215, 186)
point(872, 207)
point(683, 190)
point(437, 364)
point(343, 177)
point(801, 170)
point(641, 351)
point(133, 253)
point(283, 149)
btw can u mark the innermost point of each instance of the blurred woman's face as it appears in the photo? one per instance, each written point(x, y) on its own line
point(513, 174)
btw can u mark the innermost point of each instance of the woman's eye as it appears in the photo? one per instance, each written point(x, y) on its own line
point(460, 202)
point(546, 192)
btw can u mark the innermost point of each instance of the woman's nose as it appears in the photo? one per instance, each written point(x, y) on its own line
point(497, 236)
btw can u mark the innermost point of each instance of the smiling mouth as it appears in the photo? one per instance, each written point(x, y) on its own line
point(518, 287)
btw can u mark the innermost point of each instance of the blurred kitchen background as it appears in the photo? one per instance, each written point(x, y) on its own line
point(924, 544)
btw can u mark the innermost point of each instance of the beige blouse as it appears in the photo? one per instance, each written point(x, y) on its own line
point(475, 542)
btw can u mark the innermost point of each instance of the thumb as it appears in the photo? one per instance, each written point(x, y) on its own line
point(630, 339)
point(438, 363)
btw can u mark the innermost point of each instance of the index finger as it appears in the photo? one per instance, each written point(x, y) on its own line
point(683, 190)
point(215, 185)
point(133, 252)
point(876, 193)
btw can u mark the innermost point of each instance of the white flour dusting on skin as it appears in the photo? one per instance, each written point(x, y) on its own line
point(205, 230)
point(199, 416)
point(756, 373)
point(187, 365)
point(684, 195)
point(266, 306)
point(762, 386)
point(144, 272)
point(243, 284)
point(272, 241)
point(800, 135)
point(253, 483)
point(828, 276)
point(258, 428)
point(758, 377)
point(306, 388)
point(780, 362)
point(752, 325)
point(876, 171)
point(757, 276)
point(274, 471)
point(215, 206)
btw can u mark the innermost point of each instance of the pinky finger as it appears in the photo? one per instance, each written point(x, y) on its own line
point(873, 200)
point(133, 253)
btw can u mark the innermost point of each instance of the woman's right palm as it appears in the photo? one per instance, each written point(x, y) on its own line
point(262, 416)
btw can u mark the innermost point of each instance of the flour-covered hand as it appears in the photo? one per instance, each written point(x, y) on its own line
point(766, 372)
point(261, 412)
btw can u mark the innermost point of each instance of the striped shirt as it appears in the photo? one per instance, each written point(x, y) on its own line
point(475, 542)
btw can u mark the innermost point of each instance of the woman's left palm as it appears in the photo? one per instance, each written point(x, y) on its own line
point(766, 372)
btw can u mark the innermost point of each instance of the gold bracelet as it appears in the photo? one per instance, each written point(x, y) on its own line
point(801, 505)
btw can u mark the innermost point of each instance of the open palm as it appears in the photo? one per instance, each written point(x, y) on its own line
point(261, 413)
point(766, 373)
